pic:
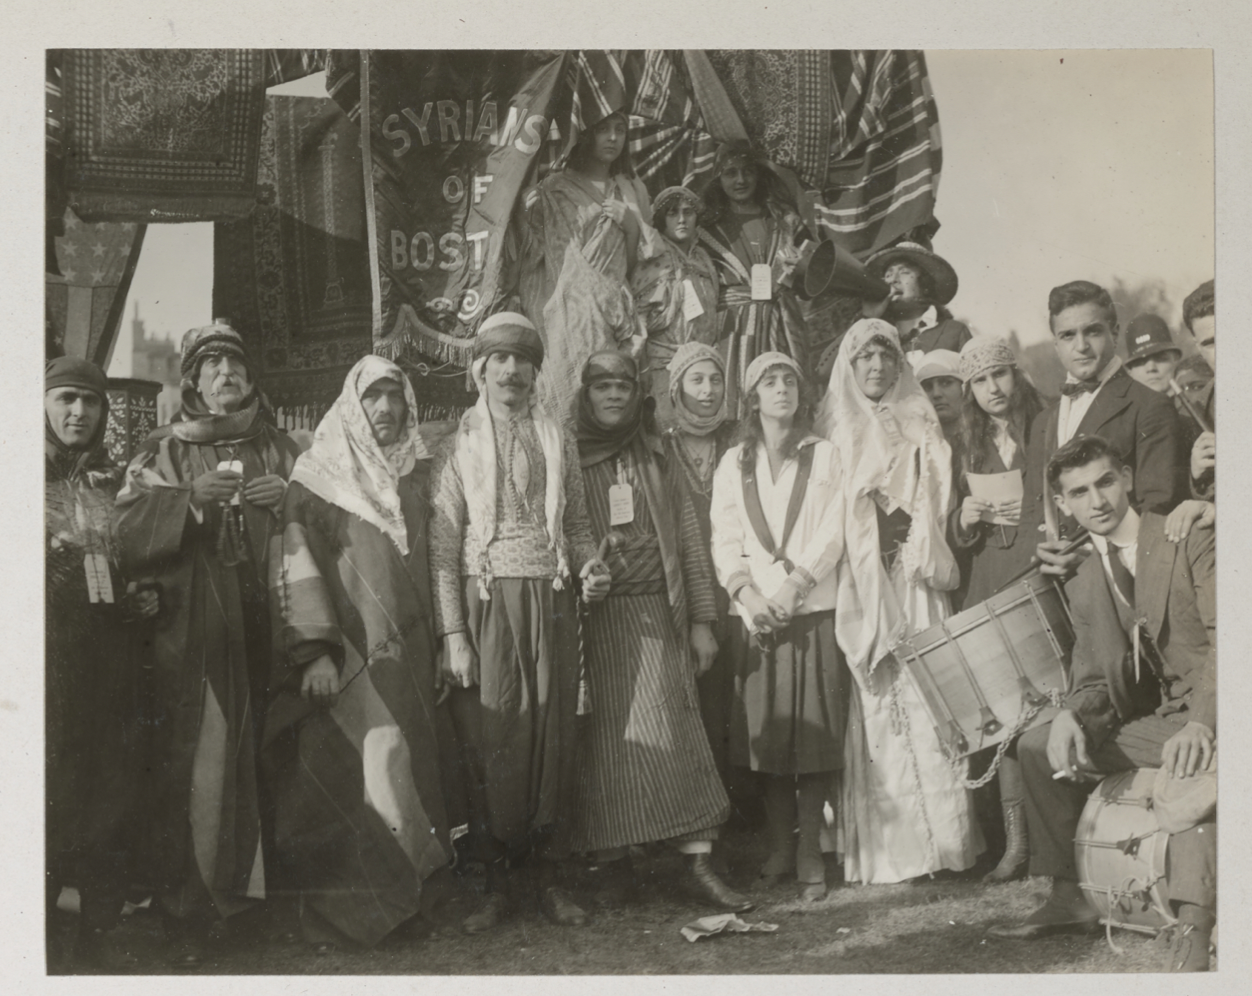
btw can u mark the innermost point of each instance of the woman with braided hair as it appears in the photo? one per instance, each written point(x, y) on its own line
point(200, 502)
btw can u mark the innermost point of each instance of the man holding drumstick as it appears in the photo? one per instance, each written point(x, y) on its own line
point(1143, 694)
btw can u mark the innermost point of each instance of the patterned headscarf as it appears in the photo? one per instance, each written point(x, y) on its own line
point(670, 198)
point(346, 466)
point(985, 353)
point(685, 357)
point(596, 443)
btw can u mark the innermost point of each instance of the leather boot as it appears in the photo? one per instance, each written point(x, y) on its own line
point(701, 882)
point(615, 883)
point(780, 812)
point(1189, 949)
point(810, 811)
point(554, 902)
point(1066, 911)
point(1016, 858)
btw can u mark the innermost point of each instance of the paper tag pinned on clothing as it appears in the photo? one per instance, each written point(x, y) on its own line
point(621, 504)
point(692, 308)
point(237, 467)
point(99, 584)
point(762, 282)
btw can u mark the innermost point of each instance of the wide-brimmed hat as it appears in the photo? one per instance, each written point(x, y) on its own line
point(1148, 335)
point(940, 271)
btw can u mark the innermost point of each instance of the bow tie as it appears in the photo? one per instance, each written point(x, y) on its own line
point(1071, 388)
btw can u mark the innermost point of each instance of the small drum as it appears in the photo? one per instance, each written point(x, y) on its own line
point(981, 670)
point(1120, 853)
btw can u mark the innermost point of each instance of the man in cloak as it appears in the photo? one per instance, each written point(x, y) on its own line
point(91, 689)
point(350, 746)
point(510, 529)
point(201, 501)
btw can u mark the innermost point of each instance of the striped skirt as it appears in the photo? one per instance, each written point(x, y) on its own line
point(646, 770)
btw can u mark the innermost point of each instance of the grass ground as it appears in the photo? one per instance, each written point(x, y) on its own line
point(938, 927)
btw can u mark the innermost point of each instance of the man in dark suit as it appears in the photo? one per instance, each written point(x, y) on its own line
point(1099, 397)
point(1142, 694)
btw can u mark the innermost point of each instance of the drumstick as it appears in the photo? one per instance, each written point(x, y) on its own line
point(1069, 548)
point(1194, 412)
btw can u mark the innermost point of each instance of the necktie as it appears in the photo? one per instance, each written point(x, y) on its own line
point(1071, 388)
point(1122, 577)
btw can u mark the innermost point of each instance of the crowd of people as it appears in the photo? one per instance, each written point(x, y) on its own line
point(657, 566)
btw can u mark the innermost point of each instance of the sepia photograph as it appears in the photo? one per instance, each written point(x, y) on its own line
point(518, 511)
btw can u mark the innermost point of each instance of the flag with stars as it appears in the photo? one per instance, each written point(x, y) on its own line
point(85, 303)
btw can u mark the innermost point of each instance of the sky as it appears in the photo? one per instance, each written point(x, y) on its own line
point(1088, 164)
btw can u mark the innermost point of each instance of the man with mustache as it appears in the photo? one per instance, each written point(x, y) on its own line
point(508, 537)
point(200, 503)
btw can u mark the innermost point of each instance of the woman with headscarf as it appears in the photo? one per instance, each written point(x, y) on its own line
point(752, 236)
point(777, 537)
point(698, 436)
point(202, 500)
point(905, 809)
point(647, 773)
point(351, 747)
point(999, 409)
point(91, 665)
point(675, 290)
point(586, 227)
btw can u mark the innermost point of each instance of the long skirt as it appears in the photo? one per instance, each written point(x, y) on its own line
point(791, 701)
point(905, 809)
point(518, 727)
point(647, 772)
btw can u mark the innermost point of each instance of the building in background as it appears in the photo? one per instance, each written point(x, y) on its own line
point(155, 358)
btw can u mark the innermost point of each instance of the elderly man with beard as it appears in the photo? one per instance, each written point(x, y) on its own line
point(509, 527)
point(90, 666)
point(201, 501)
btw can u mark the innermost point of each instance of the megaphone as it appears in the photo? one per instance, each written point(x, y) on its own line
point(830, 267)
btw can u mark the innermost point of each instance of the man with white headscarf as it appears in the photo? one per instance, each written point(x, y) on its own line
point(351, 747)
point(905, 811)
point(510, 531)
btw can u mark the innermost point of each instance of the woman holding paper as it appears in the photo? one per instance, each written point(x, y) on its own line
point(1000, 404)
point(777, 536)
point(906, 811)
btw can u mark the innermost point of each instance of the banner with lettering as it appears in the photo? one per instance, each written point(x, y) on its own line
point(454, 136)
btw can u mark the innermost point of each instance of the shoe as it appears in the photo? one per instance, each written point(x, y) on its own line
point(778, 866)
point(557, 905)
point(187, 952)
point(1189, 949)
point(99, 949)
point(616, 884)
point(812, 892)
point(1016, 857)
point(1053, 917)
point(488, 915)
point(702, 882)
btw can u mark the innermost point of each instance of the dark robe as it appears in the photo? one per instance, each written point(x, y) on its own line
point(90, 692)
point(211, 654)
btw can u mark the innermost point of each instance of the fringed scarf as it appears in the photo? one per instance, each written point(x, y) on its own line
point(348, 468)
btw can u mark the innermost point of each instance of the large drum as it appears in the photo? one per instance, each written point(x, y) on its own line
point(1120, 853)
point(983, 671)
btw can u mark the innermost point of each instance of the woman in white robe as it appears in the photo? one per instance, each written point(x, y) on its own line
point(905, 810)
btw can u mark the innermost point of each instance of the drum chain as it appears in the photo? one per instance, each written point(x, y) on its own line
point(1019, 724)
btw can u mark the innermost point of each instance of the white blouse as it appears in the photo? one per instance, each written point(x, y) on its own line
point(816, 542)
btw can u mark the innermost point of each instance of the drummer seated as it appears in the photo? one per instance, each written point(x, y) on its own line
point(1136, 700)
